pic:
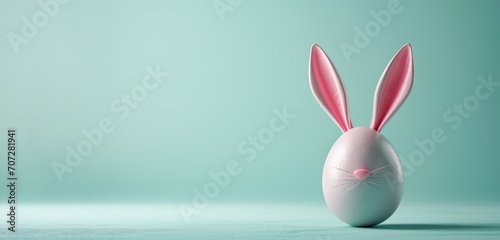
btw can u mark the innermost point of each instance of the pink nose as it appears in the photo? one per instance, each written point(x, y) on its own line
point(362, 174)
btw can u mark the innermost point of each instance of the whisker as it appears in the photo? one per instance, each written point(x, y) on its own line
point(346, 179)
point(343, 170)
point(375, 183)
point(341, 184)
point(380, 168)
point(381, 193)
point(347, 190)
point(376, 175)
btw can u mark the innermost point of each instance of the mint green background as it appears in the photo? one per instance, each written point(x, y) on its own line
point(226, 78)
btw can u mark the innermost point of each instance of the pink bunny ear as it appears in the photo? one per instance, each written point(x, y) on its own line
point(328, 88)
point(393, 87)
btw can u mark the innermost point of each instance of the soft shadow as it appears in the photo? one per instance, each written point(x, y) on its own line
point(430, 226)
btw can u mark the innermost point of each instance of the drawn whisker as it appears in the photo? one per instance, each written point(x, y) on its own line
point(341, 184)
point(376, 175)
point(381, 193)
point(375, 183)
point(380, 168)
point(347, 190)
point(346, 179)
point(343, 170)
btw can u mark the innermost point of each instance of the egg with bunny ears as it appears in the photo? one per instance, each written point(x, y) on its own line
point(362, 176)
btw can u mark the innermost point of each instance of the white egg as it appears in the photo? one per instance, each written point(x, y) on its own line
point(362, 178)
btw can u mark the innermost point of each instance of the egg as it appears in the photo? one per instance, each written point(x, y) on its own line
point(362, 178)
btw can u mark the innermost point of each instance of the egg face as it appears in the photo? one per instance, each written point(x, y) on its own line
point(362, 178)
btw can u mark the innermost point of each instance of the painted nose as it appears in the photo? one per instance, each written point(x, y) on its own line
point(362, 174)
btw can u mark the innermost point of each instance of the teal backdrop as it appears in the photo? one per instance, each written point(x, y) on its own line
point(232, 68)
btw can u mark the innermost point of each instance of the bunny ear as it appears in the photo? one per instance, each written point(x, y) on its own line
point(393, 87)
point(328, 88)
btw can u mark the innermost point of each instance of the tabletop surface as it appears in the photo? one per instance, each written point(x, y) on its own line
point(251, 221)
